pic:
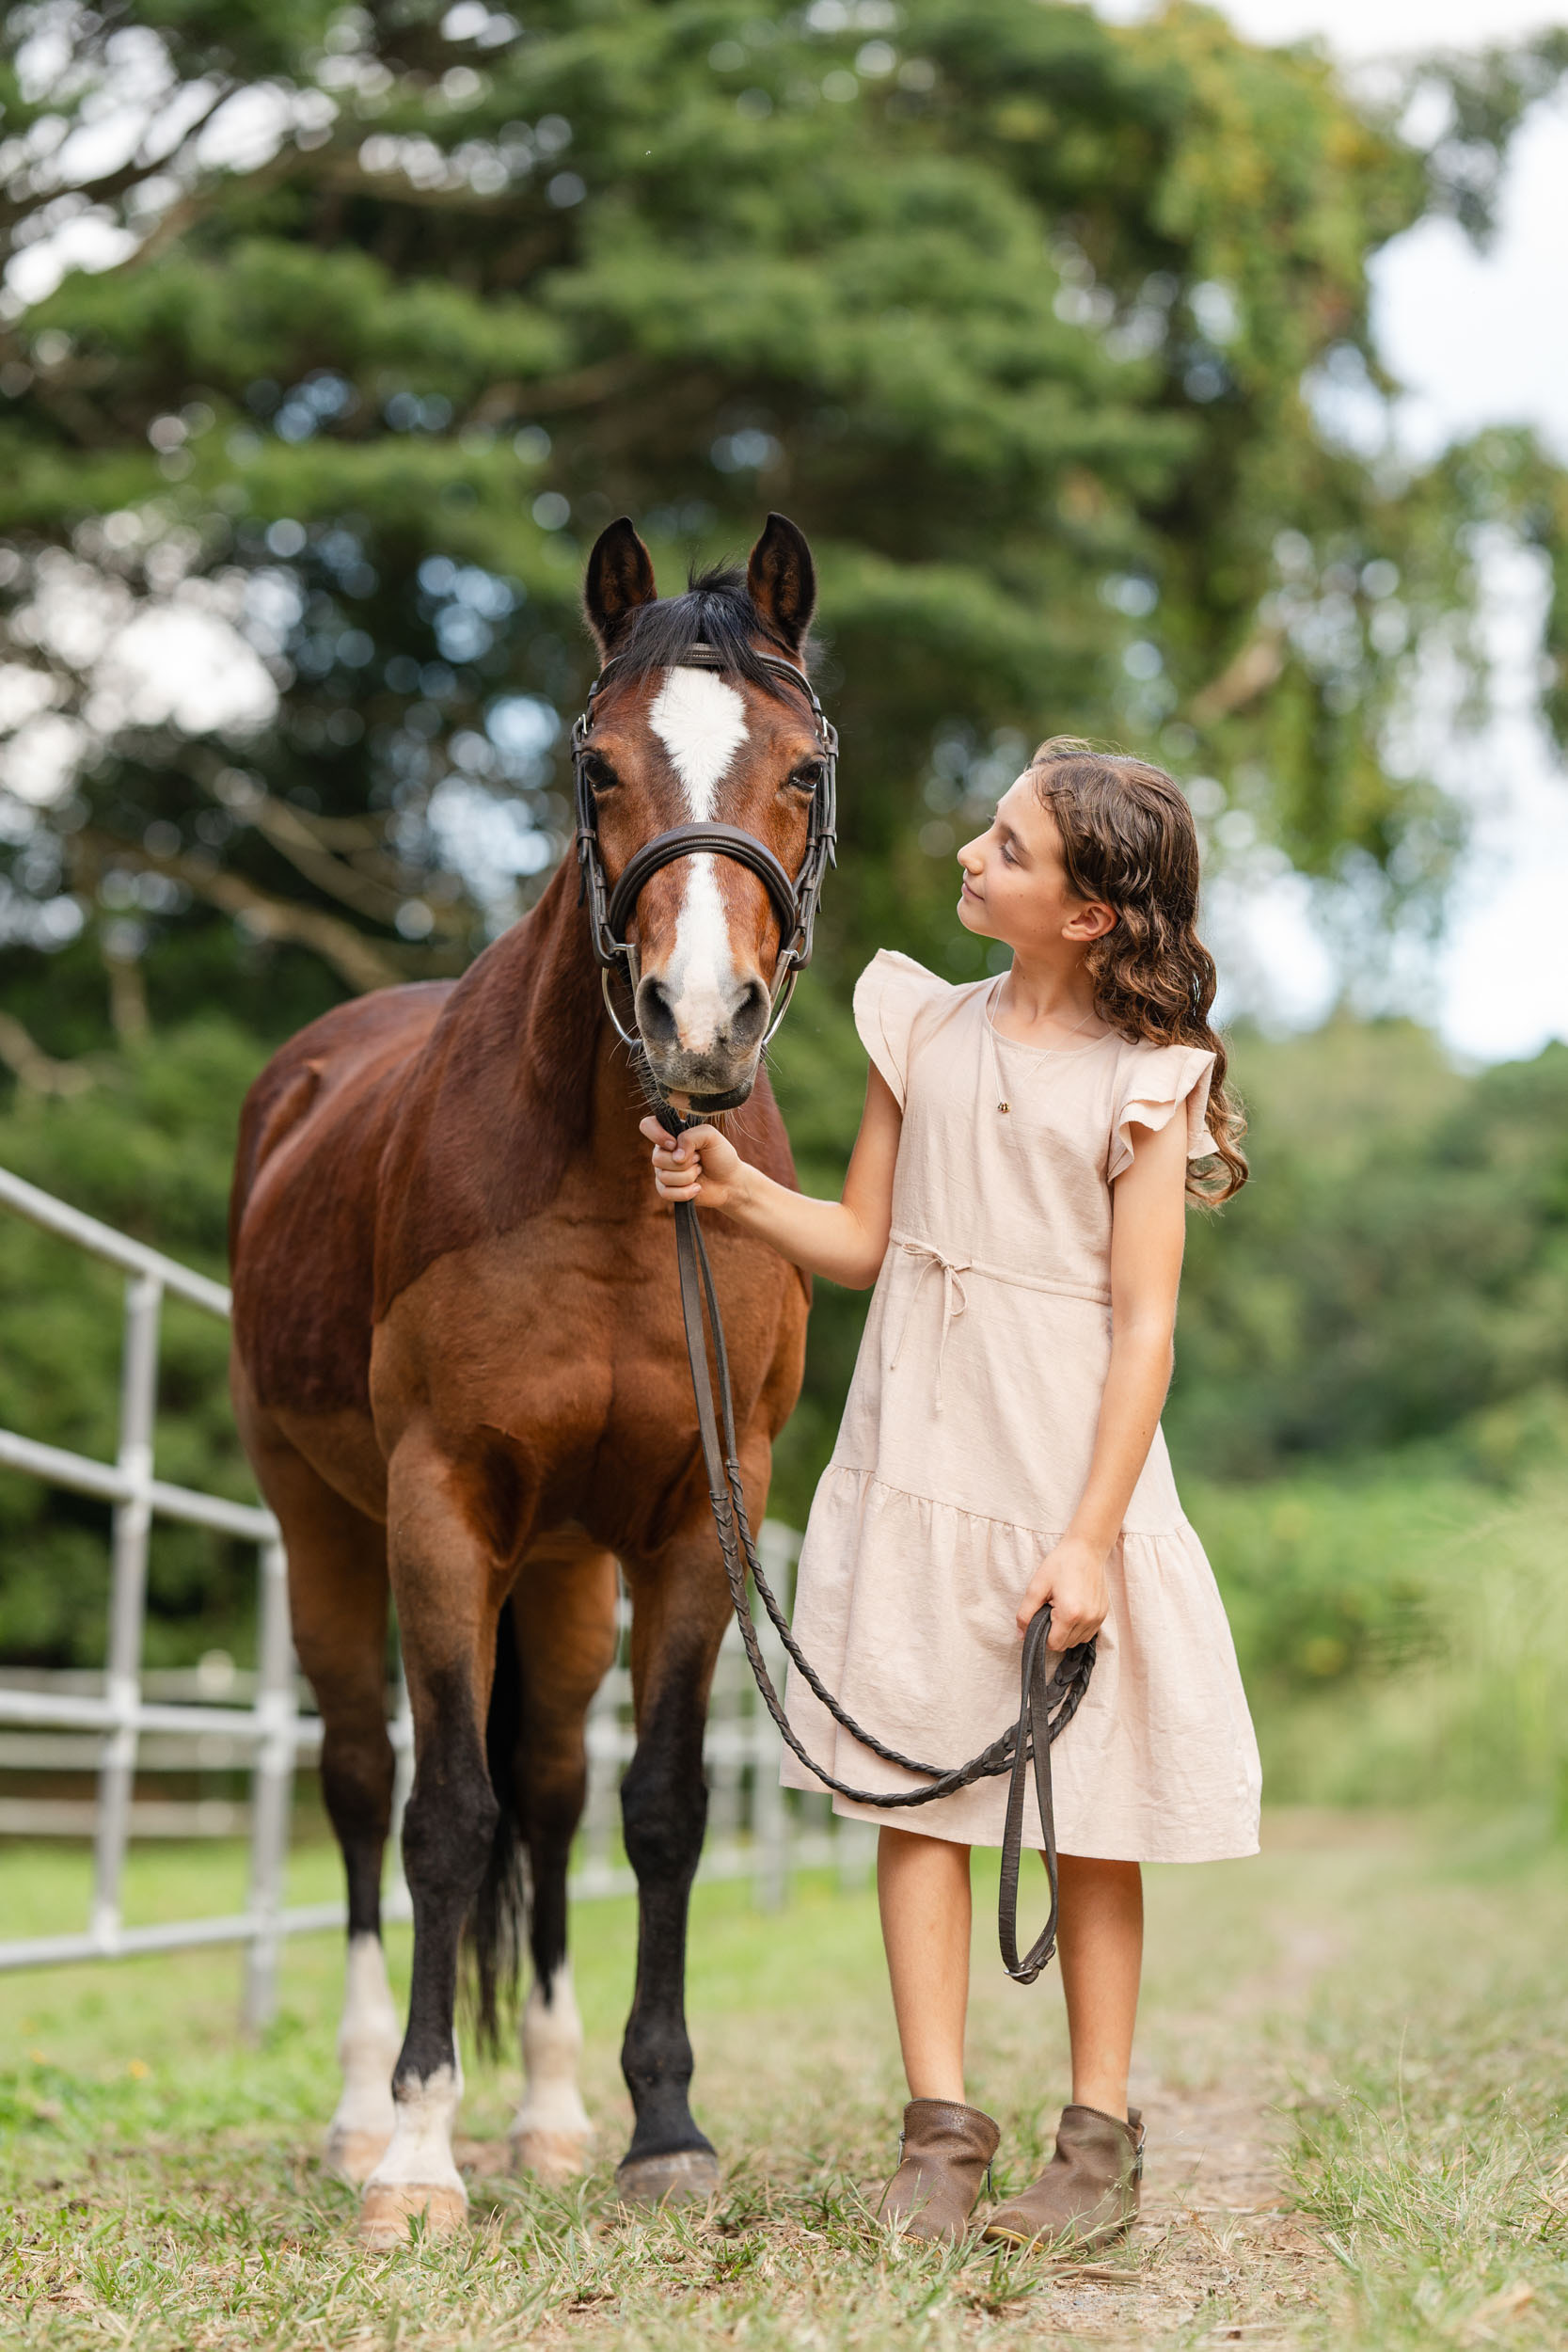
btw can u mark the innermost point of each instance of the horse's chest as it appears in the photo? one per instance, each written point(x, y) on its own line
point(567, 1336)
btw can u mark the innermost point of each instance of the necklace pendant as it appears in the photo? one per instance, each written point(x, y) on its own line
point(1004, 1106)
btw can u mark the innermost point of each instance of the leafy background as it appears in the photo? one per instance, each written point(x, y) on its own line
point(1053, 336)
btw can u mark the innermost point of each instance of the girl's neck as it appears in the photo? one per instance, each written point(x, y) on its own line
point(1040, 995)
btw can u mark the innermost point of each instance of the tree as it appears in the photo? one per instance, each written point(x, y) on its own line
point(1023, 316)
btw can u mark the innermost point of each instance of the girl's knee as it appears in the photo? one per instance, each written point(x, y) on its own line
point(914, 1848)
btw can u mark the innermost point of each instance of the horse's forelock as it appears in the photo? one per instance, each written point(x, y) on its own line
point(717, 611)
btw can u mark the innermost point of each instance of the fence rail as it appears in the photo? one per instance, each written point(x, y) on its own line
point(755, 1830)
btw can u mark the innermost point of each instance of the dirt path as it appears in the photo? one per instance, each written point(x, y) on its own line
point(1219, 2237)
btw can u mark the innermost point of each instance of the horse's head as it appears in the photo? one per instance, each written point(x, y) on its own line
point(672, 743)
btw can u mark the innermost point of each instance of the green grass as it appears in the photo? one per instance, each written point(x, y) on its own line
point(1352, 2054)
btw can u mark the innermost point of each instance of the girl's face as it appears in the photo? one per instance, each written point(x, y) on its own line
point(1015, 886)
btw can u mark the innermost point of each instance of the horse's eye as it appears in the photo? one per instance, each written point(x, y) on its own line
point(808, 775)
point(600, 775)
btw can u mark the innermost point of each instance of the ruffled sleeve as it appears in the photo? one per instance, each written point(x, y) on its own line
point(1152, 1083)
point(890, 996)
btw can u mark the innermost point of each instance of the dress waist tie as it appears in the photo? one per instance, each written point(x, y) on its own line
point(955, 1299)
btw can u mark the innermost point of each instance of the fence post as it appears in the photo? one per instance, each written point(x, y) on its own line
point(133, 1520)
point(272, 1784)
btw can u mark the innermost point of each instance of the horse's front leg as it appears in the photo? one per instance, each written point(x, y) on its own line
point(563, 1616)
point(680, 1607)
point(449, 1587)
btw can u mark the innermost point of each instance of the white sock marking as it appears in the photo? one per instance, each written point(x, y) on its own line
point(701, 722)
point(552, 2045)
point(369, 2040)
point(421, 2154)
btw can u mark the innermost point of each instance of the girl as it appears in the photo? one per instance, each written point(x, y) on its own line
point(1016, 1193)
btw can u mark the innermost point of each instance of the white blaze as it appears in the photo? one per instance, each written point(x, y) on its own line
point(701, 722)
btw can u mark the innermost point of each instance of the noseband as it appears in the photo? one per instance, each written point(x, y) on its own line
point(793, 900)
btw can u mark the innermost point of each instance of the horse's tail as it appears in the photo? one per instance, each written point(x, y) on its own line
point(499, 1921)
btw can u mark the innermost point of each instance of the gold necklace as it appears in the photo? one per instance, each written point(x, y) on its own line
point(1003, 1105)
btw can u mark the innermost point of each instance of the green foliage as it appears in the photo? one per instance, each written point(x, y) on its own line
point(149, 1149)
point(1022, 315)
point(1403, 1631)
point(1398, 1265)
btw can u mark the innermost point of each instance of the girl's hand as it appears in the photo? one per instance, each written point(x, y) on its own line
point(701, 1166)
point(1072, 1579)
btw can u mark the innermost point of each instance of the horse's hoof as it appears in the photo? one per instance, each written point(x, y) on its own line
point(354, 2155)
point(551, 2156)
point(389, 2206)
point(689, 2177)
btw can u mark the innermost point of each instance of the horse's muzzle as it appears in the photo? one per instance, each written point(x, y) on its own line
point(717, 1071)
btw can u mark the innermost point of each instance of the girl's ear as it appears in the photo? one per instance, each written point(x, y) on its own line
point(1090, 919)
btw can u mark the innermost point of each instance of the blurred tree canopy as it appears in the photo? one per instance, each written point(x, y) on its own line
point(1051, 333)
point(330, 336)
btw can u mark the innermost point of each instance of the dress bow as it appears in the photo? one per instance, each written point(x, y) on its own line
point(955, 1299)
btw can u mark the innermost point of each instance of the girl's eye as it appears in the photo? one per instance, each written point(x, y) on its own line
point(1007, 856)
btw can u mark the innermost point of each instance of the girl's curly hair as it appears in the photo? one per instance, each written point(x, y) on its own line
point(1128, 837)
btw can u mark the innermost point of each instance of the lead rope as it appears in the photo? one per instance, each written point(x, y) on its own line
point(1046, 1699)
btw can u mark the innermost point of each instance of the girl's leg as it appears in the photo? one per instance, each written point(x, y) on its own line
point(1089, 2193)
point(1100, 1941)
point(923, 1891)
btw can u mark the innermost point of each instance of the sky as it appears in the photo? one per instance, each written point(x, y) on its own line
point(1477, 339)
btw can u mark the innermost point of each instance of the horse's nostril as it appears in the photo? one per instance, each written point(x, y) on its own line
point(749, 1016)
point(656, 1017)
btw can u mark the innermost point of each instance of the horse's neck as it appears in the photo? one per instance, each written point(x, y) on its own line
point(545, 1015)
point(516, 1093)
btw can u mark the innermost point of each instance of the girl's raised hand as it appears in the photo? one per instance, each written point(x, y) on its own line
point(701, 1166)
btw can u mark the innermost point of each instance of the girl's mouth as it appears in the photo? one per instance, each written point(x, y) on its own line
point(968, 891)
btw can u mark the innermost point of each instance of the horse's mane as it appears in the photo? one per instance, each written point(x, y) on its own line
point(717, 611)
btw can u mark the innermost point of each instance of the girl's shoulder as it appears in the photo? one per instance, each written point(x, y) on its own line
point(1153, 1082)
point(894, 999)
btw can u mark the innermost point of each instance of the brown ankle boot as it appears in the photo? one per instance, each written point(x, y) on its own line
point(945, 2150)
point(1089, 2192)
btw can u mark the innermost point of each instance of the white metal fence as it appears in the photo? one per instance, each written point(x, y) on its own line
point(127, 1721)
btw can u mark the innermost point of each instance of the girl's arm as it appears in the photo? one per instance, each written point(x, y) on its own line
point(844, 1239)
point(1148, 1234)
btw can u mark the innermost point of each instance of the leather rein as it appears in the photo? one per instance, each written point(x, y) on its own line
point(1048, 1699)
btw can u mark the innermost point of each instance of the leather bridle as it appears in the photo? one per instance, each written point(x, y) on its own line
point(794, 899)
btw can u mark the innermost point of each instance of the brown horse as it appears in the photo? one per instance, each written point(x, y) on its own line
point(459, 1374)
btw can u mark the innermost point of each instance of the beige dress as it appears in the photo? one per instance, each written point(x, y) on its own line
point(966, 1443)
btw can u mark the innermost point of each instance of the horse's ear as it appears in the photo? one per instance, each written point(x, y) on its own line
point(620, 578)
point(782, 580)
